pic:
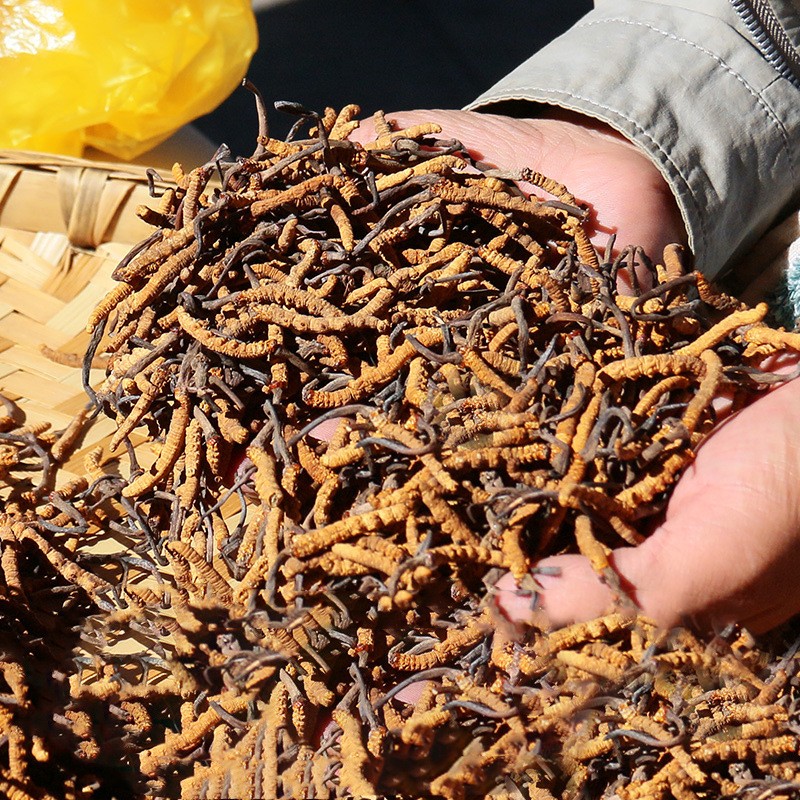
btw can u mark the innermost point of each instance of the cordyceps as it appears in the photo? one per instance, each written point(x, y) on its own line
point(353, 385)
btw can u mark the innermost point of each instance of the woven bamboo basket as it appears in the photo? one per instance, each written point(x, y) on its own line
point(64, 224)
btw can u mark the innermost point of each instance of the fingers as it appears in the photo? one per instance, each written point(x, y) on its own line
point(502, 142)
point(710, 564)
point(577, 594)
point(666, 585)
point(588, 157)
point(574, 595)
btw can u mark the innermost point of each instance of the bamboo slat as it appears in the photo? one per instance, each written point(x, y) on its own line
point(64, 225)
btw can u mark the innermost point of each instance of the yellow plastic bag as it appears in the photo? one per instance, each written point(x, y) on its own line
point(121, 76)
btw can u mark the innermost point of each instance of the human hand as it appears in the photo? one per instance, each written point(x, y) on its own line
point(624, 191)
point(729, 546)
point(728, 549)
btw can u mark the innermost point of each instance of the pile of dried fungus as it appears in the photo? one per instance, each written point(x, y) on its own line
point(353, 385)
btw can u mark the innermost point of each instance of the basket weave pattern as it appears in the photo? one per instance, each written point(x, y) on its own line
point(64, 224)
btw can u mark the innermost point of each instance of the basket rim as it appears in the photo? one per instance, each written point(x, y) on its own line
point(91, 201)
point(32, 159)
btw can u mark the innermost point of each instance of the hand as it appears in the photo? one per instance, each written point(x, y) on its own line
point(623, 189)
point(729, 547)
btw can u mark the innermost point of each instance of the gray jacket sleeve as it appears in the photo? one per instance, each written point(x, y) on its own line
point(694, 87)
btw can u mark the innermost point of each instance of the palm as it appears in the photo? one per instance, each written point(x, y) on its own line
point(732, 528)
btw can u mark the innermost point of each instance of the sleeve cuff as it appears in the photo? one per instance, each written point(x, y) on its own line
point(691, 91)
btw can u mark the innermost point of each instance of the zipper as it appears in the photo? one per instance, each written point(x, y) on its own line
point(770, 37)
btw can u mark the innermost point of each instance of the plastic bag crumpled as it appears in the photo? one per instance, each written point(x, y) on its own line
point(120, 76)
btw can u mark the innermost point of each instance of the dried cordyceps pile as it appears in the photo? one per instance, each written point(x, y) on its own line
point(377, 377)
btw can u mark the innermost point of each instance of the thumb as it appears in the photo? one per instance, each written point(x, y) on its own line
point(703, 573)
point(571, 591)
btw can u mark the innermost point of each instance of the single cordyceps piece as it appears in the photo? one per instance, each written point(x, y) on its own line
point(351, 385)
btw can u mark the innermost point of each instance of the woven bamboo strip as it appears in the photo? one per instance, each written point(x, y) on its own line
point(64, 225)
point(91, 202)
